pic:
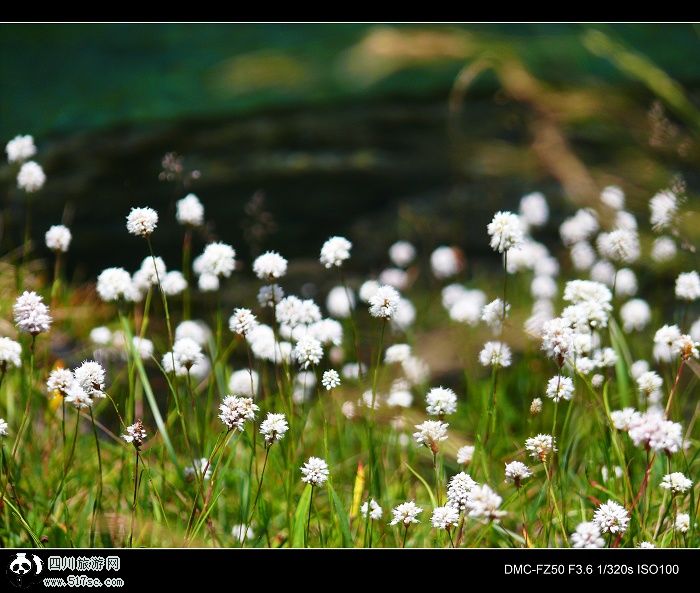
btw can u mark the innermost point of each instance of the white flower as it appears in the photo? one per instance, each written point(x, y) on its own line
point(60, 380)
point(274, 427)
point(3, 427)
point(270, 265)
point(493, 314)
point(187, 352)
point(208, 282)
point(534, 209)
point(636, 314)
point(663, 249)
point(620, 245)
point(649, 383)
point(664, 339)
point(190, 211)
point(664, 207)
point(445, 517)
point(495, 354)
point(20, 148)
point(582, 255)
point(31, 177)
point(77, 397)
point(31, 314)
point(676, 482)
point(430, 433)
point(587, 535)
point(330, 379)
point(541, 446)
point(395, 277)
point(416, 370)
point(535, 406)
point(516, 472)
point(315, 471)
point(400, 395)
point(686, 347)
point(445, 262)
point(327, 331)
point(622, 419)
point(244, 382)
point(611, 517)
point(652, 431)
point(682, 522)
point(135, 434)
point(114, 284)
point(173, 283)
point(604, 272)
point(10, 354)
point(375, 511)
point(292, 311)
point(613, 197)
point(458, 490)
point(235, 411)
point(270, 295)
point(195, 330)
point(143, 347)
point(308, 351)
point(465, 454)
point(218, 259)
point(397, 353)
point(638, 368)
point(367, 290)
point(198, 468)
point(405, 315)
point(557, 339)
point(402, 253)
point(142, 221)
point(625, 282)
point(340, 302)
point(506, 231)
point(335, 251)
point(543, 287)
point(484, 502)
point(688, 286)
point(242, 321)
point(242, 533)
point(559, 388)
point(90, 375)
point(579, 227)
point(405, 513)
point(441, 401)
point(384, 302)
point(58, 238)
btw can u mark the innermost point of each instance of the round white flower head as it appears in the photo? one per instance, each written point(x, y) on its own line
point(395, 277)
point(493, 313)
point(397, 353)
point(587, 535)
point(173, 283)
point(402, 253)
point(242, 321)
point(384, 302)
point(416, 370)
point(664, 339)
point(58, 238)
point(327, 331)
point(611, 517)
point(315, 471)
point(135, 434)
point(10, 354)
point(335, 251)
point(559, 388)
point(115, 284)
point(269, 295)
point(340, 302)
point(20, 148)
point(445, 262)
point(31, 177)
point(682, 522)
point(534, 209)
point(141, 222)
point(652, 431)
point(495, 354)
point(636, 315)
point(613, 197)
point(620, 245)
point(270, 265)
point(646, 546)
point(465, 454)
point(367, 290)
point(405, 514)
point(198, 467)
point(541, 446)
point(506, 231)
point(543, 287)
point(235, 411)
point(375, 511)
point(458, 490)
point(77, 397)
point(308, 351)
point(663, 207)
point(273, 428)
point(218, 259)
point(187, 353)
point(482, 501)
point(625, 283)
point(31, 314)
point(90, 375)
point(623, 419)
point(558, 339)
point(244, 382)
point(143, 347)
point(649, 383)
point(208, 282)
point(151, 271)
point(467, 308)
point(445, 517)
point(331, 379)
point(441, 401)
point(195, 330)
point(400, 395)
point(430, 433)
point(405, 315)
point(663, 249)
point(516, 472)
point(638, 368)
point(3, 427)
point(101, 336)
point(579, 227)
point(60, 380)
point(688, 286)
point(190, 211)
point(535, 406)
point(582, 255)
point(686, 347)
point(676, 483)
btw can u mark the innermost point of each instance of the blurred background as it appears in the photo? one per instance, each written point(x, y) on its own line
point(291, 133)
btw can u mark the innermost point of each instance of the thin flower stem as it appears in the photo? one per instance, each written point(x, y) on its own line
point(555, 504)
point(405, 535)
point(675, 388)
point(98, 498)
point(308, 519)
point(133, 503)
point(257, 495)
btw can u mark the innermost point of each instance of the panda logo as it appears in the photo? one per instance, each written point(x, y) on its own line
point(21, 565)
point(21, 569)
